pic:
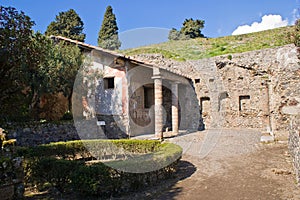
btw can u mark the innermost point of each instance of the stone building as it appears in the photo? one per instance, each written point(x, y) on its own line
point(245, 90)
point(248, 90)
point(132, 97)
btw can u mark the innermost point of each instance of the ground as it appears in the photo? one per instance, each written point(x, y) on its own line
point(236, 167)
point(227, 164)
point(230, 164)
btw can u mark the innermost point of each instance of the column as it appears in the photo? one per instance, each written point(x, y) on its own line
point(158, 103)
point(175, 122)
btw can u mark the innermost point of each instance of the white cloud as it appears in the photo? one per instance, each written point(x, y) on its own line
point(267, 22)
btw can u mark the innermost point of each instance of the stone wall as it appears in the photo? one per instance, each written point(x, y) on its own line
point(32, 134)
point(294, 144)
point(293, 110)
point(267, 78)
point(244, 90)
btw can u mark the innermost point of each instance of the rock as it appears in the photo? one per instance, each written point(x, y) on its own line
point(267, 139)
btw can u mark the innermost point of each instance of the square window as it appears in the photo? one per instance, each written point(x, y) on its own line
point(244, 102)
point(148, 97)
point(109, 83)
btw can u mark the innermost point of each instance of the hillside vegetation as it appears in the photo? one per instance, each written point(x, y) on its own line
point(199, 48)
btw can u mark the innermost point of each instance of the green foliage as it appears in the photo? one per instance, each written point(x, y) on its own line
point(166, 154)
point(93, 180)
point(53, 69)
point(174, 34)
point(15, 57)
point(31, 65)
point(67, 24)
point(297, 33)
point(61, 165)
point(192, 28)
point(71, 149)
point(108, 34)
point(54, 171)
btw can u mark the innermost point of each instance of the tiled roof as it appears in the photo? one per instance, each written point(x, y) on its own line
point(136, 60)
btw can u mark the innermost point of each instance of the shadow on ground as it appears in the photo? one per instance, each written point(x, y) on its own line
point(185, 170)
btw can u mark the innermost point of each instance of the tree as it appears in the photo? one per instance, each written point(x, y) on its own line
point(174, 34)
point(31, 65)
point(56, 67)
point(108, 35)
point(15, 41)
point(190, 29)
point(67, 24)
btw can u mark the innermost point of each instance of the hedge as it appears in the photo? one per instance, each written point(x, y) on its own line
point(85, 148)
point(64, 165)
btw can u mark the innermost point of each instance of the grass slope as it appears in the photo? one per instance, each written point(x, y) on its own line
point(199, 48)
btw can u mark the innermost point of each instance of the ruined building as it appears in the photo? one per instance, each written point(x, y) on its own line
point(246, 90)
point(130, 97)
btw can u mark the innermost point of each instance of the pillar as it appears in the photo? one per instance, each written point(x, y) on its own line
point(158, 106)
point(175, 117)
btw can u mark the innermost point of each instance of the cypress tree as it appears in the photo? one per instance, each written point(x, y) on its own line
point(108, 35)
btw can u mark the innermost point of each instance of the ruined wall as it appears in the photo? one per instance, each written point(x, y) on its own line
point(294, 144)
point(293, 110)
point(227, 81)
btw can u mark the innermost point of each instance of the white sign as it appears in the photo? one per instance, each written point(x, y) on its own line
point(100, 123)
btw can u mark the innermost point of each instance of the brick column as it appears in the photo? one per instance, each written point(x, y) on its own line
point(158, 107)
point(175, 122)
point(158, 103)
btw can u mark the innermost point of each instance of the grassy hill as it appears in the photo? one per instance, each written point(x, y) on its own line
point(208, 47)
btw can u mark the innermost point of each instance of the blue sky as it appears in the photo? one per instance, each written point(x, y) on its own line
point(221, 17)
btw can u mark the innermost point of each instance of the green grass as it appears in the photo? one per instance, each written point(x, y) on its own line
point(199, 48)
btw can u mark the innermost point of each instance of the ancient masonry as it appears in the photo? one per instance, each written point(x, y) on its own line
point(248, 90)
point(293, 110)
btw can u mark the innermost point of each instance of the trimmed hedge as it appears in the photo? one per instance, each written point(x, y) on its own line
point(64, 165)
point(83, 148)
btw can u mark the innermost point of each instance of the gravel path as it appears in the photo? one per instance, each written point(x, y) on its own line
point(232, 164)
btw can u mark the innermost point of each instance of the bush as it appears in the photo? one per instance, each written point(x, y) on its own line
point(93, 180)
point(84, 148)
point(54, 171)
point(62, 165)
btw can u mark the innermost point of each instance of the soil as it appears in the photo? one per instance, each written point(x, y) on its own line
point(224, 164)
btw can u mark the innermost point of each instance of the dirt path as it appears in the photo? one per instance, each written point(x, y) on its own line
point(232, 164)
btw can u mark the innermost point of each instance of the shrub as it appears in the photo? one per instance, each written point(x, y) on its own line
point(54, 171)
point(93, 180)
point(62, 165)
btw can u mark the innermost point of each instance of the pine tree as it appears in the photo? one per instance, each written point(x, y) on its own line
point(67, 24)
point(192, 28)
point(108, 35)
